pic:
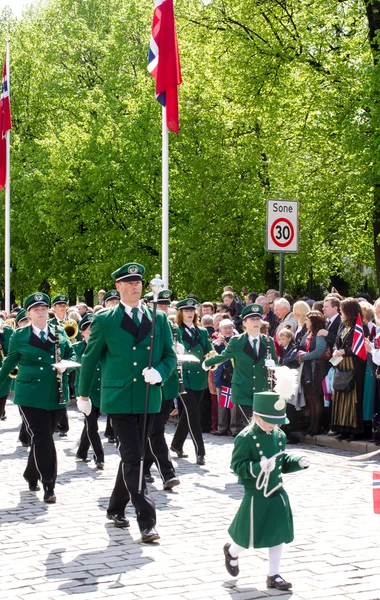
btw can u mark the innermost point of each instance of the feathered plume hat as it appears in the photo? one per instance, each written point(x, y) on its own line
point(271, 406)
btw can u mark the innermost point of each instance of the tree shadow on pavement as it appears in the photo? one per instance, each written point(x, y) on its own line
point(81, 574)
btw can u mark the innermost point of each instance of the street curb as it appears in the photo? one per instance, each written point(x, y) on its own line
point(359, 446)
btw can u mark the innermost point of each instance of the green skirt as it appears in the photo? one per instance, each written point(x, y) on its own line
point(263, 522)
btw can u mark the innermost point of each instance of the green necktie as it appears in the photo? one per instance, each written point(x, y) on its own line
point(135, 318)
point(254, 346)
point(42, 336)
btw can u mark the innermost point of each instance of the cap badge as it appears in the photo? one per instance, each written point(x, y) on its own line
point(38, 297)
point(254, 309)
point(189, 303)
point(280, 404)
point(133, 269)
point(62, 298)
point(165, 295)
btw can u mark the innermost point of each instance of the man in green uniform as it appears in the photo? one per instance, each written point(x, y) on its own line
point(33, 349)
point(250, 352)
point(59, 305)
point(5, 335)
point(120, 337)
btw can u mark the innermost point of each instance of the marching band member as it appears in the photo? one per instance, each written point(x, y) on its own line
point(59, 305)
point(264, 519)
point(250, 351)
point(111, 298)
point(22, 320)
point(157, 450)
point(120, 337)
point(34, 349)
point(5, 335)
point(90, 435)
point(195, 341)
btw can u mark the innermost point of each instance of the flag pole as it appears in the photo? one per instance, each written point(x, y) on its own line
point(165, 200)
point(7, 253)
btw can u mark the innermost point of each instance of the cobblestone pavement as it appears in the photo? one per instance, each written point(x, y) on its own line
point(50, 551)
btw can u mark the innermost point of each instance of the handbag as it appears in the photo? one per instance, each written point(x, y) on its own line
point(344, 381)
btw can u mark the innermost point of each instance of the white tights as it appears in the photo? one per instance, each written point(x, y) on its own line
point(275, 553)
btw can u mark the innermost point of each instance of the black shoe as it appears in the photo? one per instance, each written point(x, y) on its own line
point(100, 466)
point(25, 444)
point(220, 433)
point(149, 478)
point(201, 460)
point(62, 434)
point(33, 486)
point(111, 440)
point(276, 581)
point(179, 453)
point(341, 436)
point(3, 417)
point(149, 535)
point(49, 495)
point(171, 483)
point(80, 459)
point(232, 570)
point(118, 520)
point(352, 437)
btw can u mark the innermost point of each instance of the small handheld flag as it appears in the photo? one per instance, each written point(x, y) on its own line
point(225, 397)
point(6, 125)
point(163, 60)
point(358, 346)
point(376, 493)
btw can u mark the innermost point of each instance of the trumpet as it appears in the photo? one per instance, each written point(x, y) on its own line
point(71, 328)
point(209, 355)
point(12, 374)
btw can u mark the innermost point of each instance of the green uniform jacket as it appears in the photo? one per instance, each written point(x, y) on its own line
point(250, 373)
point(170, 389)
point(194, 377)
point(36, 382)
point(262, 522)
point(123, 349)
point(5, 336)
point(79, 349)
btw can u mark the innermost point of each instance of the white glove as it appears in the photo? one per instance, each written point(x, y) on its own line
point(84, 406)
point(205, 367)
point(304, 462)
point(179, 348)
point(269, 363)
point(60, 369)
point(151, 376)
point(267, 464)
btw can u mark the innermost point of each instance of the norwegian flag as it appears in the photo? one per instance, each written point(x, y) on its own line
point(6, 125)
point(225, 397)
point(163, 60)
point(376, 493)
point(358, 346)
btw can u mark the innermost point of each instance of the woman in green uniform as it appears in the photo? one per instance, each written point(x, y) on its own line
point(196, 342)
point(33, 350)
point(264, 519)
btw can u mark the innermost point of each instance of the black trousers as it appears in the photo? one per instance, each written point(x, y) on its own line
point(24, 437)
point(109, 432)
point(128, 430)
point(90, 436)
point(63, 424)
point(3, 401)
point(42, 461)
point(157, 450)
point(190, 422)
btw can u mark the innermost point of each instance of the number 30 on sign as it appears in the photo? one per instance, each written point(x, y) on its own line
point(282, 226)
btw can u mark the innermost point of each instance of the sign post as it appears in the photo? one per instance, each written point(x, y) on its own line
point(282, 231)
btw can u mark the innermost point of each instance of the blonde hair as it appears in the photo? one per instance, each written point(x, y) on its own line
point(300, 310)
point(286, 333)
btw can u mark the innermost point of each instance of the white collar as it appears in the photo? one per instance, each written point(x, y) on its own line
point(333, 318)
point(37, 330)
point(128, 309)
point(257, 337)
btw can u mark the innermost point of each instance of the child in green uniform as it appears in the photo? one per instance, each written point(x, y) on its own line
point(264, 518)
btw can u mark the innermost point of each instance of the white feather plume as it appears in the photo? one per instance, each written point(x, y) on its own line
point(286, 382)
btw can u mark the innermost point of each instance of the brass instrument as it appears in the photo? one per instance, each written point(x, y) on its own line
point(12, 374)
point(10, 323)
point(71, 328)
point(208, 355)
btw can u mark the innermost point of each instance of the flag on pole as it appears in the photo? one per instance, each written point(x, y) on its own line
point(6, 125)
point(163, 60)
point(358, 346)
point(225, 397)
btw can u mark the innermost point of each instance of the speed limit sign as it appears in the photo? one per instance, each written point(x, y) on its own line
point(282, 226)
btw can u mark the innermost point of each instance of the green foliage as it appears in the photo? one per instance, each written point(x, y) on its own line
point(277, 102)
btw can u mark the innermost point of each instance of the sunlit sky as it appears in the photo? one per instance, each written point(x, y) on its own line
point(16, 5)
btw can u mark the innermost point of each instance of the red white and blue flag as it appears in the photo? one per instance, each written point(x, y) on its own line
point(163, 60)
point(225, 397)
point(6, 125)
point(358, 346)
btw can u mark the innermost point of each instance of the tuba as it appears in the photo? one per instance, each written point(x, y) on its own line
point(208, 355)
point(71, 328)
